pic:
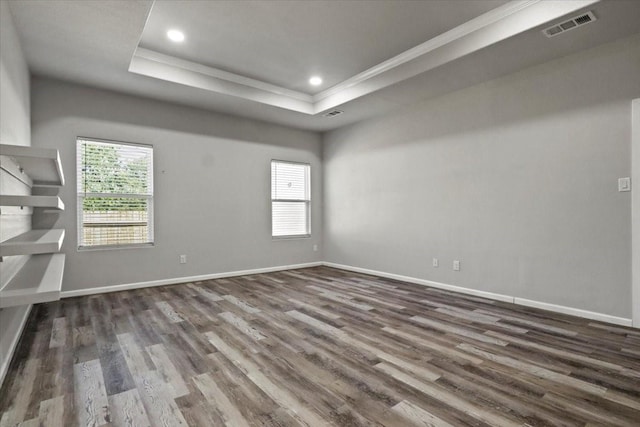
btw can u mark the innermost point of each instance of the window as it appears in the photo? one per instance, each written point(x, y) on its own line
point(290, 199)
point(115, 194)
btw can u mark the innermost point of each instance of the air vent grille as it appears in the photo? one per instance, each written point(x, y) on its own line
point(583, 19)
point(332, 113)
point(569, 24)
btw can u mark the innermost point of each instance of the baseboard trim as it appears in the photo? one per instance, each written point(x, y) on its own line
point(484, 294)
point(423, 282)
point(176, 280)
point(14, 344)
point(593, 315)
point(490, 295)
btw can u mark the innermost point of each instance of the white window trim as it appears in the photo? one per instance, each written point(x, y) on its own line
point(81, 196)
point(306, 202)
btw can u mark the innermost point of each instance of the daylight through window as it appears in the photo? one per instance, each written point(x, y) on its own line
point(115, 193)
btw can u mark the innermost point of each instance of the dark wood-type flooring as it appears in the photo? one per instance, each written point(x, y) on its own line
point(316, 347)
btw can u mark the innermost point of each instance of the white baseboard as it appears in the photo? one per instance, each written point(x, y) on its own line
point(423, 282)
point(173, 281)
point(490, 295)
point(484, 294)
point(574, 311)
point(4, 366)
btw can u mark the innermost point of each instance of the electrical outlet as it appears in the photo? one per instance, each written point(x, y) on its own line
point(435, 262)
point(183, 259)
point(456, 265)
point(315, 248)
point(624, 184)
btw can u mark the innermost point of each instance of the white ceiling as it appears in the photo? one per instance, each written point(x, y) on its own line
point(253, 58)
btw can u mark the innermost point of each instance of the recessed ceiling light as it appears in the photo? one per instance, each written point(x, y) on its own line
point(175, 36)
point(315, 81)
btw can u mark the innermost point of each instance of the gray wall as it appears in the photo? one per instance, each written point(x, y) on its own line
point(212, 185)
point(516, 178)
point(15, 129)
point(14, 81)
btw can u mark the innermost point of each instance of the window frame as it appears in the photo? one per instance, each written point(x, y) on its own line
point(306, 202)
point(81, 195)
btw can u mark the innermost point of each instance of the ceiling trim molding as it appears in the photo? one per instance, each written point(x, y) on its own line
point(443, 39)
point(535, 14)
point(489, 28)
point(220, 74)
point(202, 78)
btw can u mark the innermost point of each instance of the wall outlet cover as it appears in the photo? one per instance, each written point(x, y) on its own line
point(624, 184)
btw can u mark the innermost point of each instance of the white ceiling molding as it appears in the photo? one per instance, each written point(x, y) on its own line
point(430, 45)
point(188, 73)
point(492, 27)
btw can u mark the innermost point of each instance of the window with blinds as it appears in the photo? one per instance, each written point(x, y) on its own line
point(115, 193)
point(290, 199)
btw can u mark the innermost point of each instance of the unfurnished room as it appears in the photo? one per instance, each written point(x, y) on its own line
point(319, 213)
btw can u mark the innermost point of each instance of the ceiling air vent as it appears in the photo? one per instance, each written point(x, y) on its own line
point(332, 113)
point(570, 24)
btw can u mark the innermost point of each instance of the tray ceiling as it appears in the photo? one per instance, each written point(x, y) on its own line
point(285, 42)
point(253, 58)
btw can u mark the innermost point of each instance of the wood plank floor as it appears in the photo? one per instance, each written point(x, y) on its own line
point(316, 347)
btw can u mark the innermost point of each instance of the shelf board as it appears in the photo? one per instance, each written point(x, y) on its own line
point(40, 280)
point(51, 202)
point(41, 165)
point(33, 242)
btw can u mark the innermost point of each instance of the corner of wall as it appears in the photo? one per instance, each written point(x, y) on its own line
point(635, 212)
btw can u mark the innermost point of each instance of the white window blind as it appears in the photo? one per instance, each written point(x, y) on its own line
point(115, 193)
point(290, 199)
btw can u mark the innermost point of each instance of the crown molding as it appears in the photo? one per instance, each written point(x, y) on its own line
point(165, 67)
point(220, 74)
point(456, 33)
point(487, 29)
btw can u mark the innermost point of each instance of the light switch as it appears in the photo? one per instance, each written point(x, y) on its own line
point(624, 184)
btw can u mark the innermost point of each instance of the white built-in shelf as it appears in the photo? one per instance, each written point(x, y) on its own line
point(33, 242)
point(40, 280)
point(51, 202)
point(41, 165)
